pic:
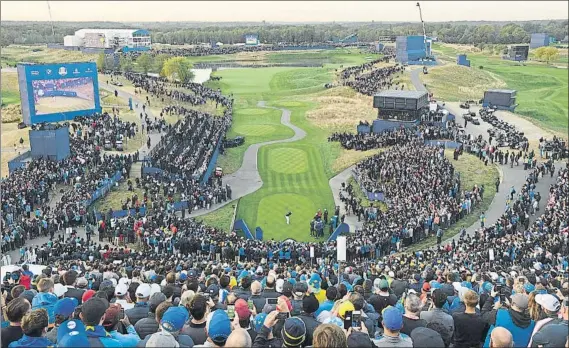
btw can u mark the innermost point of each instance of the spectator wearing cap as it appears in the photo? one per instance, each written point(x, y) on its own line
point(70, 281)
point(300, 290)
point(257, 297)
point(382, 299)
point(218, 329)
point(87, 295)
point(141, 307)
point(111, 323)
point(551, 307)
point(310, 305)
point(198, 309)
point(437, 313)
point(392, 321)
point(554, 334)
point(71, 334)
point(63, 310)
point(121, 296)
point(15, 311)
point(244, 313)
point(46, 299)
point(331, 297)
point(93, 315)
point(214, 294)
point(411, 319)
point(149, 325)
point(162, 339)
point(469, 328)
point(329, 335)
point(34, 326)
point(293, 332)
point(172, 322)
point(514, 319)
point(424, 337)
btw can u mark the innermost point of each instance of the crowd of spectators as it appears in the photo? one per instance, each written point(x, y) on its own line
point(504, 286)
point(376, 80)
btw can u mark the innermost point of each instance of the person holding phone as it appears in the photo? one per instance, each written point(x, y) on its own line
point(115, 315)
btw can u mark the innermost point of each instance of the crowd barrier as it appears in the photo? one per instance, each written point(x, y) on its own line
point(212, 163)
point(119, 214)
point(343, 228)
point(241, 225)
point(103, 190)
point(18, 162)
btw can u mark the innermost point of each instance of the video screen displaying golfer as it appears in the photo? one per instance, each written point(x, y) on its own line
point(62, 95)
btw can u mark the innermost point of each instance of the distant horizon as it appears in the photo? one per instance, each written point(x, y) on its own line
point(285, 12)
point(278, 22)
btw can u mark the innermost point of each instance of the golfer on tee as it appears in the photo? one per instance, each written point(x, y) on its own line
point(287, 217)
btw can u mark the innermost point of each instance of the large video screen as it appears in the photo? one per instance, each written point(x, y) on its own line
point(63, 95)
point(58, 92)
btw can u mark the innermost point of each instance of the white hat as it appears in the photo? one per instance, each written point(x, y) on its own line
point(124, 280)
point(143, 290)
point(121, 290)
point(548, 302)
point(457, 286)
point(162, 339)
point(259, 270)
point(494, 276)
point(279, 285)
point(59, 289)
point(391, 274)
point(154, 288)
point(114, 281)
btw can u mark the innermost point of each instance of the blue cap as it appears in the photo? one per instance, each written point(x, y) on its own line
point(467, 285)
point(183, 277)
point(178, 268)
point(293, 274)
point(219, 326)
point(227, 269)
point(66, 306)
point(71, 327)
point(192, 273)
point(292, 281)
point(435, 285)
point(174, 319)
point(529, 287)
point(259, 321)
point(303, 278)
point(487, 287)
point(315, 281)
point(348, 286)
point(392, 318)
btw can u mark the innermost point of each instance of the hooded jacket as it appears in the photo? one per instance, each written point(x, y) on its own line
point(47, 301)
point(519, 324)
point(27, 341)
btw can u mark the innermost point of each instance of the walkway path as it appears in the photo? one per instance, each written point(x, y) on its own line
point(336, 186)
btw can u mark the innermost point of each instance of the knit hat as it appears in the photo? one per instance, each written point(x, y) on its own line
point(392, 318)
point(427, 338)
point(242, 309)
point(87, 295)
point(162, 339)
point(310, 304)
point(65, 307)
point(293, 332)
point(174, 319)
point(219, 327)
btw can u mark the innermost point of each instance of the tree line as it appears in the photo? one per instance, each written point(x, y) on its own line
point(189, 33)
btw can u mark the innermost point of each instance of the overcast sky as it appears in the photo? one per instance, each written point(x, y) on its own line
point(282, 11)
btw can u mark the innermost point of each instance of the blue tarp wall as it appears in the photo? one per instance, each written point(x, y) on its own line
point(362, 128)
point(461, 60)
point(341, 229)
point(258, 233)
point(241, 225)
point(379, 126)
point(212, 162)
point(18, 162)
point(52, 144)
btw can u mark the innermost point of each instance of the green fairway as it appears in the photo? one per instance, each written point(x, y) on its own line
point(295, 175)
point(542, 90)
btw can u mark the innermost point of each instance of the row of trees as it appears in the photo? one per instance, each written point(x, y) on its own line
point(174, 68)
point(189, 33)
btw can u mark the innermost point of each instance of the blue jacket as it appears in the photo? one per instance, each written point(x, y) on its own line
point(127, 340)
point(27, 341)
point(521, 335)
point(47, 301)
point(99, 337)
point(324, 306)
